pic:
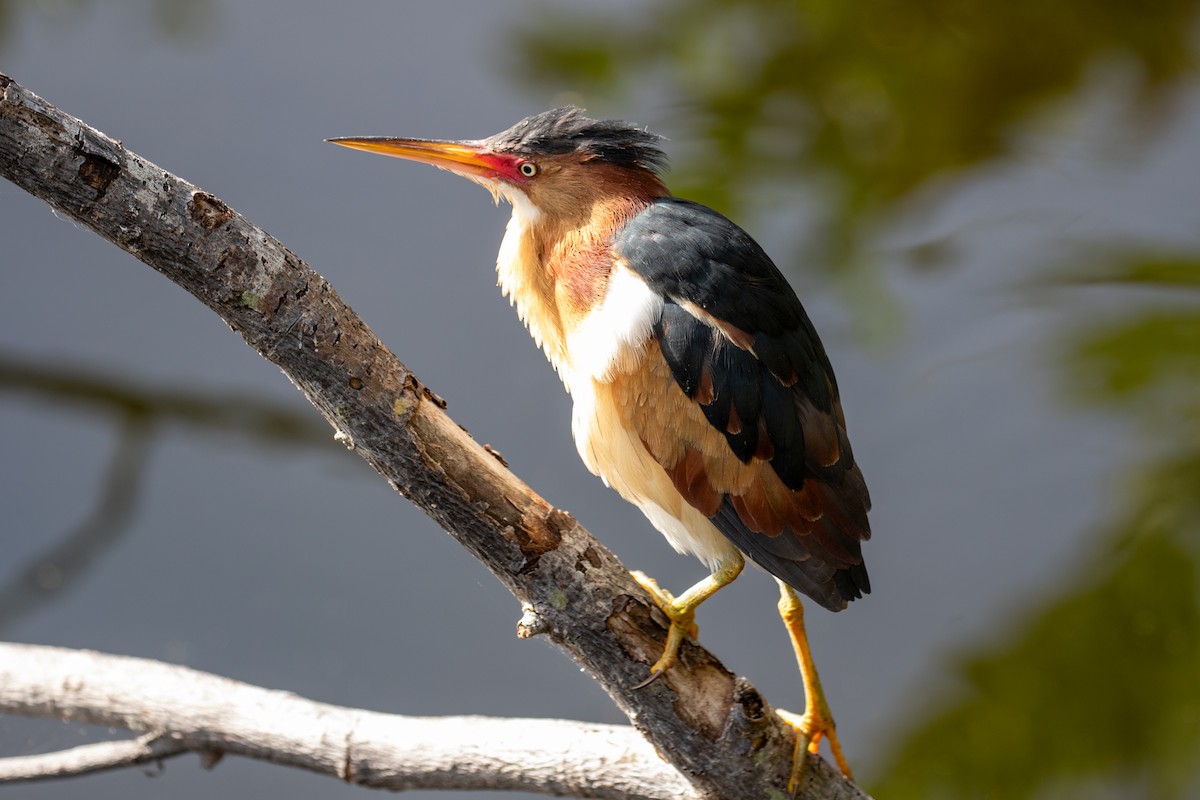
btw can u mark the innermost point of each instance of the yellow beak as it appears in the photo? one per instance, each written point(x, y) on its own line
point(464, 158)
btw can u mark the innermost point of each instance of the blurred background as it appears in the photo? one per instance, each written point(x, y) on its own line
point(991, 211)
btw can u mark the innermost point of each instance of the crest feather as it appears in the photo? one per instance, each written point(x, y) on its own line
point(564, 130)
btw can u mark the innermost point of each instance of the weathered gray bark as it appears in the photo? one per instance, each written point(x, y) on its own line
point(709, 724)
point(190, 711)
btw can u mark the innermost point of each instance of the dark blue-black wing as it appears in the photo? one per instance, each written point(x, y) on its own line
point(740, 345)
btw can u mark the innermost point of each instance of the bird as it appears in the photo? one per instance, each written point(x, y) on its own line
point(700, 389)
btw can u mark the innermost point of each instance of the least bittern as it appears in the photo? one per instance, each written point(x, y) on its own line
point(701, 391)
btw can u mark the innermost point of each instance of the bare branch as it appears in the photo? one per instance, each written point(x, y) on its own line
point(195, 711)
point(711, 725)
point(89, 758)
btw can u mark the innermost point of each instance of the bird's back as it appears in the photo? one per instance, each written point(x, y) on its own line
point(726, 429)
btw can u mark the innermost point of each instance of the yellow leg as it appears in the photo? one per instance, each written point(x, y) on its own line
point(816, 722)
point(681, 610)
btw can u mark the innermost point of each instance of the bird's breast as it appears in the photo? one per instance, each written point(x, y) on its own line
point(589, 312)
point(524, 281)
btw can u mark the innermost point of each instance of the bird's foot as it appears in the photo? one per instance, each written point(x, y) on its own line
point(683, 624)
point(666, 602)
point(815, 724)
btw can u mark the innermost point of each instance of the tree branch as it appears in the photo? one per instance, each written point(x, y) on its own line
point(89, 758)
point(711, 725)
point(191, 711)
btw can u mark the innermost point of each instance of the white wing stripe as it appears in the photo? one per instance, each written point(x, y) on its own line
point(610, 339)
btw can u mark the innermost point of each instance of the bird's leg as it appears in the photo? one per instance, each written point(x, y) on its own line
point(681, 610)
point(816, 722)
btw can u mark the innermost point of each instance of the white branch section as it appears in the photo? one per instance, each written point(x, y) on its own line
point(187, 710)
point(90, 758)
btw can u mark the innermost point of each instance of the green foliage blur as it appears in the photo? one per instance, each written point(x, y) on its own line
point(1097, 692)
point(868, 99)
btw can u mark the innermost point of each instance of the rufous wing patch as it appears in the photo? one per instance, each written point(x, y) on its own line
point(757, 511)
point(705, 390)
point(705, 472)
point(691, 480)
point(821, 439)
point(764, 451)
point(734, 425)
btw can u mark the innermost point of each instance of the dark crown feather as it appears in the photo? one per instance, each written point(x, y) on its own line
point(560, 131)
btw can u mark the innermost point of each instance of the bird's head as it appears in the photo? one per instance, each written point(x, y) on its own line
point(560, 161)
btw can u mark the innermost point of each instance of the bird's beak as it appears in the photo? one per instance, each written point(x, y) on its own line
point(465, 158)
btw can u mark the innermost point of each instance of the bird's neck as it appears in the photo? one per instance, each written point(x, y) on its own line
point(556, 269)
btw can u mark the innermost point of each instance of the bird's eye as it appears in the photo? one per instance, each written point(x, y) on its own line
point(528, 169)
